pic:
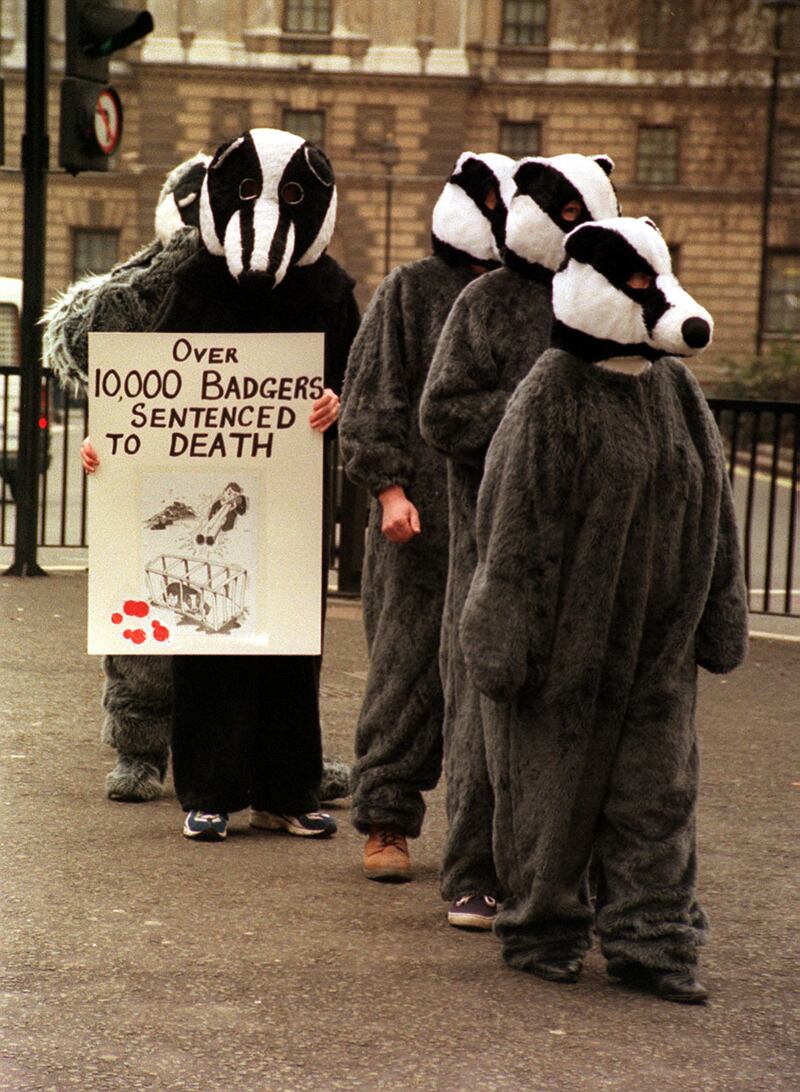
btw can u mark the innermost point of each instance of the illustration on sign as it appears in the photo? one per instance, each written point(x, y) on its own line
point(202, 567)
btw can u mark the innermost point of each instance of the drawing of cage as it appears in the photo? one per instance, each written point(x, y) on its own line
point(210, 593)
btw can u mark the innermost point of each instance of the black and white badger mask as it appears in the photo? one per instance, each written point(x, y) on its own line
point(544, 188)
point(179, 200)
point(465, 229)
point(268, 202)
point(617, 296)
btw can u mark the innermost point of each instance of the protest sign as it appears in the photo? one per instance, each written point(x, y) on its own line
point(205, 513)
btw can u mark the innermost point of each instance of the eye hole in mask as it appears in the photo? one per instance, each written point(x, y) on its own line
point(640, 282)
point(292, 193)
point(571, 211)
point(249, 189)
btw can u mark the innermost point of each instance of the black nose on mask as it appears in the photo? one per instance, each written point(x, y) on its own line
point(696, 333)
point(255, 280)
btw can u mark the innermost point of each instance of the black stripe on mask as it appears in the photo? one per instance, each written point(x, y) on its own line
point(231, 163)
point(551, 190)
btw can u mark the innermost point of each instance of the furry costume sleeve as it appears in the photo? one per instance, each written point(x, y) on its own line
point(509, 616)
point(68, 319)
point(721, 640)
point(375, 423)
point(132, 304)
point(463, 403)
point(721, 637)
point(121, 301)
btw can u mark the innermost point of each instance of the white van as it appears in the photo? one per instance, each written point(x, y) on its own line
point(10, 357)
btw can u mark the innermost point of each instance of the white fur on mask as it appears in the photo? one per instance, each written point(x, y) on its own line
point(458, 221)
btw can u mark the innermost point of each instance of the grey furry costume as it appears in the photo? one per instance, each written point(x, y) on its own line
point(137, 692)
point(398, 738)
point(609, 569)
point(496, 330)
point(399, 733)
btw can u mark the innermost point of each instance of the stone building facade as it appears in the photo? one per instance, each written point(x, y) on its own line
point(395, 91)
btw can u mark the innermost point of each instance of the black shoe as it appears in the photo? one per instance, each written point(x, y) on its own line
point(679, 986)
point(564, 971)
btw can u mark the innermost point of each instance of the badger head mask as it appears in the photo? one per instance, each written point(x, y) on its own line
point(268, 202)
point(469, 218)
point(552, 196)
point(179, 200)
point(616, 296)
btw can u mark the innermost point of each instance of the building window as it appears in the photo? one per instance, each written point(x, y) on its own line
point(657, 155)
point(525, 22)
point(520, 138)
point(9, 338)
point(309, 124)
point(93, 251)
point(663, 24)
point(787, 157)
point(307, 16)
point(783, 294)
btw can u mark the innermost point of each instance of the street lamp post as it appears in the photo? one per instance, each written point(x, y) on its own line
point(778, 8)
point(390, 156)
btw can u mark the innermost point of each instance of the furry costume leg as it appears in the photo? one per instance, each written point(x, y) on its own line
point(137, 698)
point(647, 911)
point(398, 737)
point(541, 845)
point(467, 864)
point(625, 782)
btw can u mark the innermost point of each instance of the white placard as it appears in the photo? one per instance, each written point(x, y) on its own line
point(205, 514)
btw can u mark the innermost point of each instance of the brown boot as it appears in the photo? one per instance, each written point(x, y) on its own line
point(386, 856)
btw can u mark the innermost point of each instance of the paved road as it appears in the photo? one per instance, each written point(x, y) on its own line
point(136, 960)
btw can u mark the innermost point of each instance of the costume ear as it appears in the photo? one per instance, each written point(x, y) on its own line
point(604, 161)
point(472, 170)
point(223, 152)
point(583, 241)
point(319, 164)
point(528, 172)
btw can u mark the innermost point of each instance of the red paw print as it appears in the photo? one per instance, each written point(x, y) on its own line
point(137, 608)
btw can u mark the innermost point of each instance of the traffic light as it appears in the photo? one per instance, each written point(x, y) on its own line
point(91, 110)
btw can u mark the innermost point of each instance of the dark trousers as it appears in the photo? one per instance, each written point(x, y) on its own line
point(246, 732)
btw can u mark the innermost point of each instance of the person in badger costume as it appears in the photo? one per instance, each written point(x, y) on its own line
point(399, 733)
point(137, 692)
point(266, 213)
point(496, 329)
point(608, 570)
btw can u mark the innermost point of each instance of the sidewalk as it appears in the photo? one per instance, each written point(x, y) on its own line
point(134, 959)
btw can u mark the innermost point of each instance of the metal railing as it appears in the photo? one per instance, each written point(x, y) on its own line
point(762, 445)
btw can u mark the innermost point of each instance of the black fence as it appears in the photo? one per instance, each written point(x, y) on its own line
point(762, 443)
